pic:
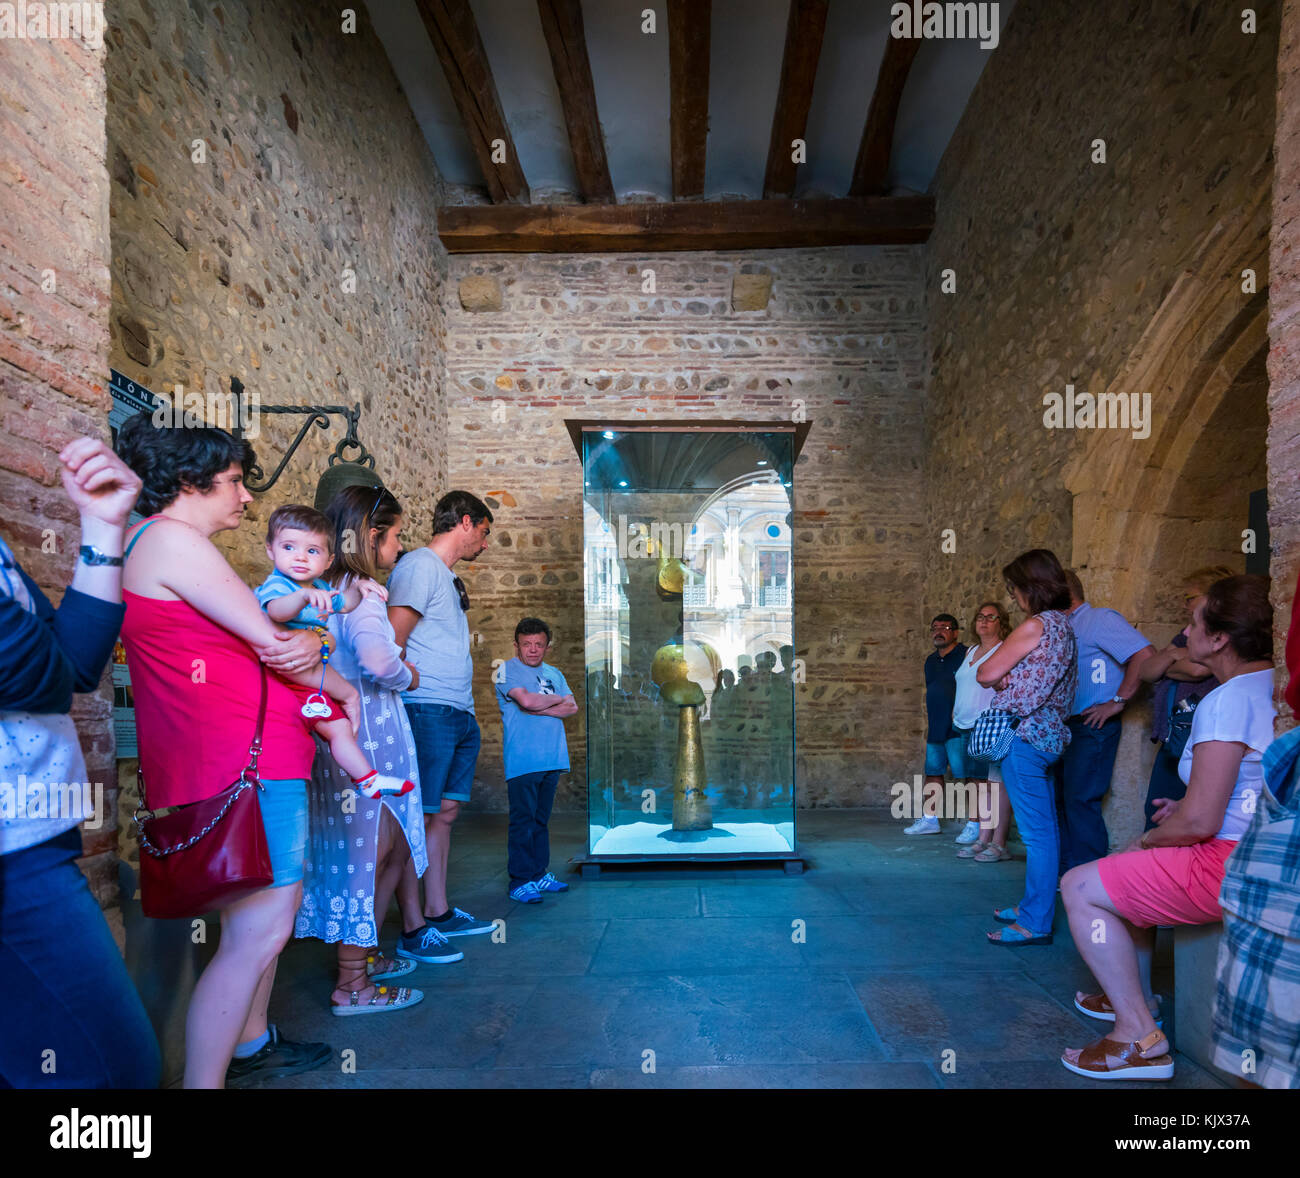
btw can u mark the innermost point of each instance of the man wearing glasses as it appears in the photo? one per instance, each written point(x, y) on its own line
point(427, 604)
point(944, 748)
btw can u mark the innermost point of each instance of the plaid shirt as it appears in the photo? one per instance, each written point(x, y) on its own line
point(1261, 882)
point(1257, 990)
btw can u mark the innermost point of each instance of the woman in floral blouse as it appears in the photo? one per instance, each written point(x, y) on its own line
point(1034, 673)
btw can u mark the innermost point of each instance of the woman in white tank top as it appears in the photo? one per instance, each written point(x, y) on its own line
point(985, 842)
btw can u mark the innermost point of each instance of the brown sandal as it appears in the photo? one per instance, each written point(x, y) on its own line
point(1109, 1059)
point(1098, 1006)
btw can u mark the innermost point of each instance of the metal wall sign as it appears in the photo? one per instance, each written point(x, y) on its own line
point(128, 399)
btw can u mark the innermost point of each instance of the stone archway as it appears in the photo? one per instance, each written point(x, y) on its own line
point(1145, 511)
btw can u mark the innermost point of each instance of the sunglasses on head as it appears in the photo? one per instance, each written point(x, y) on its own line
point(379, 497)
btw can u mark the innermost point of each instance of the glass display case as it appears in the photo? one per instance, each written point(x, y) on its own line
point(689, 639)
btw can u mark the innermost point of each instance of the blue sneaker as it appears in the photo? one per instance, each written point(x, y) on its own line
point(526, 893)
point(427, 945)
point(548, 883)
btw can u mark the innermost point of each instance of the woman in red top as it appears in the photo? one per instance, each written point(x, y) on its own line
point(194, 634)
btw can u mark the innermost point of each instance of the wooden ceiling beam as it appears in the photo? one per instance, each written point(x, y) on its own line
point(871, 170)
point(567, 41)
point(691, 225)
point(803, 46)
point(456, 40)
point(689, 25)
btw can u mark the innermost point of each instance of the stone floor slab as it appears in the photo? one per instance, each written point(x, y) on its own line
point(859, 973)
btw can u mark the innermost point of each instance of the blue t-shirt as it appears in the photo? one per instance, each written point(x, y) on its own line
point(941, 692)
point(1105, 643)
point(533, 744)
point(278, 585)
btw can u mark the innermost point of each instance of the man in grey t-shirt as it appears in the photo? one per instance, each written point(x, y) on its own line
point(426, 605)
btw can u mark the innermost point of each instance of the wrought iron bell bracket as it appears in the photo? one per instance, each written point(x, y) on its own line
point(317, 415)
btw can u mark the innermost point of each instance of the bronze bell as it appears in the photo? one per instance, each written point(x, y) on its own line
point(340, 475)
point(670, 577)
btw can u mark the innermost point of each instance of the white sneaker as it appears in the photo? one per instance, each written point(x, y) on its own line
point(923, 826)
point(969, 833)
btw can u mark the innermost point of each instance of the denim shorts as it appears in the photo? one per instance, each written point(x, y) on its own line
point(950, 755)
point(447, 741)
point(284, 817)
point(976, 769)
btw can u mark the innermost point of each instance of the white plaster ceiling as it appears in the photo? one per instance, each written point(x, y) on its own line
point(630, 71)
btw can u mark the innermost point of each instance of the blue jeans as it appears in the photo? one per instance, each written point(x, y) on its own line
point(1083, 776)
point(447, 741)
point(72, 1016)
point(1028, 780)
point(528, 842)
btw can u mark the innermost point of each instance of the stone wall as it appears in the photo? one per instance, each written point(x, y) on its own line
point(54, 255)
point(577, 338)
point(273, 217)
point(1122, 276)
point(274, 211)
point(298, 254)
point(1284, 332)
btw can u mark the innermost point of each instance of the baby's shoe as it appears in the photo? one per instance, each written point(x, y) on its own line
point(380, 783)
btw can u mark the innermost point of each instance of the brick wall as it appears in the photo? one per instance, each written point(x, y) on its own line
point(576, 337)
point(54, 297)
point(1115, 276)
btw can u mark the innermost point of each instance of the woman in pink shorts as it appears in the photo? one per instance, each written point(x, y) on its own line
point(1172, 874)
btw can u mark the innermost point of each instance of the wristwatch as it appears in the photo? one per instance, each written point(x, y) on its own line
point(92, 556)
point(1118, 699)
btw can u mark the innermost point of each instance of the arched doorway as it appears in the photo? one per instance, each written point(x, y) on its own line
point(1148, 511)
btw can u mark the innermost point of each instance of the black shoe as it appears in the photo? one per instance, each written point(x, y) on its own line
point(280, 1057)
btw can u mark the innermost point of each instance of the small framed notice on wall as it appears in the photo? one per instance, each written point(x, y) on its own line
point(128, 399)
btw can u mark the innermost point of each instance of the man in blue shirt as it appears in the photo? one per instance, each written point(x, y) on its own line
point(944, 748)
point(534, 700)
point(1111, 654)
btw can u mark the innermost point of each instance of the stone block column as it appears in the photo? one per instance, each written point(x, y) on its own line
point(1284, 331)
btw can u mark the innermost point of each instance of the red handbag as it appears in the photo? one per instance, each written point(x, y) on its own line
point(207, 854)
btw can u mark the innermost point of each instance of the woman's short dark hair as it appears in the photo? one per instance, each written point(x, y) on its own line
point(455, 506)
point(532, 626)
point(1239, 607)
point(169, 459)
point(1040, 577)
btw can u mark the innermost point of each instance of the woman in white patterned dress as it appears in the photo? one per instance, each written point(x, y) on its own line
point(356, 847)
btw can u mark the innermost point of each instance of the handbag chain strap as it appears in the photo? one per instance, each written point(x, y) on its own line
point(246, 778)
point(146, 845)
